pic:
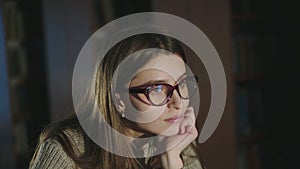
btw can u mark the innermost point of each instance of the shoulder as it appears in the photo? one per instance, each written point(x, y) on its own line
point(51, 154)
point(76, 140)
point(59, 144)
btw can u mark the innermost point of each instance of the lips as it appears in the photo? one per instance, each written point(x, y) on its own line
point(174, 119)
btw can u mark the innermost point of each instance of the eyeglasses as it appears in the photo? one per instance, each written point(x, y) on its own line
point(161, 93)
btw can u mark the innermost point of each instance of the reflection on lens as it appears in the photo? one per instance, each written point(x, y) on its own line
point(158, 94)
point(188, 87)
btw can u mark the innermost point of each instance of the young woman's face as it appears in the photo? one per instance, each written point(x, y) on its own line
point(158, 119)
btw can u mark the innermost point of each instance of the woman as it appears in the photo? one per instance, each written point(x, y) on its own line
point(144, 96)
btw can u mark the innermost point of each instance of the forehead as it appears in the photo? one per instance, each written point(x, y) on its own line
point(170, 64)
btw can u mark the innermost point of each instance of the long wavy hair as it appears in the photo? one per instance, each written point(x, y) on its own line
point(94, 157)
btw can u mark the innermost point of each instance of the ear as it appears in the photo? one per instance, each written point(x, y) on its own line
point(120, 106)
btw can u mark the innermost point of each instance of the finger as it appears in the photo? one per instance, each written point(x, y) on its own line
point(188, 121)
point(180, 142)
point(188, 128)
point(186, 125)
point(177, 142)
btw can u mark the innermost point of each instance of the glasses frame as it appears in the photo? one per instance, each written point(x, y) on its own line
point(146, 89)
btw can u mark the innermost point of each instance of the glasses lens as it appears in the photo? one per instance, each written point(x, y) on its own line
point(187, 87)
point(158, 94)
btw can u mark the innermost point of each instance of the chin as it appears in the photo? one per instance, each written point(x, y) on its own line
point(171, 131)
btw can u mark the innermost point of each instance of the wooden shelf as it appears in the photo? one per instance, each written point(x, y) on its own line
point(257, 50)
point(250, 138)
point(250, 78)
point(18, 80)
point(26, 76)
point(248, 17)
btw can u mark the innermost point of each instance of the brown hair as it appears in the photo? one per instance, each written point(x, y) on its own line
point(94, 156)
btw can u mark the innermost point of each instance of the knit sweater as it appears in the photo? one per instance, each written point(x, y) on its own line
point(50, 154)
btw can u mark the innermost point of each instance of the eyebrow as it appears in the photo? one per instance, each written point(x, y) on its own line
point(180, 77)
point(151, 82)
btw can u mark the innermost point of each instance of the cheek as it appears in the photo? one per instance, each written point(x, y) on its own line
point(185, 105)
point(139, 102)
point(159, 126)
point(139, 110)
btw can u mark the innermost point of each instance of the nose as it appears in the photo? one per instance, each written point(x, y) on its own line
point(175, 101)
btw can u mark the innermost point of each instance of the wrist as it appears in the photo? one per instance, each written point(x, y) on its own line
point(171, 160)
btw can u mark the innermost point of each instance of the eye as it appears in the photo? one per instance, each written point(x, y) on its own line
point(157, 89)
point(182, 84)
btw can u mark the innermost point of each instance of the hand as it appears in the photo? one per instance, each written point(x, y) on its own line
point(188, 122)
point(176, 143)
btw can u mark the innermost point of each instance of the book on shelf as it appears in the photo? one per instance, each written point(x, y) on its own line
point(17, 73)
point(242, 161)
point(243, 7)
point(17, 62)
point(247, 55)
point(249, 111)
point(256, 110)
point(256, 54)
point(243, 123)
point(13, 19)
point(249, 157)
point(16, 57)
point(20, 135)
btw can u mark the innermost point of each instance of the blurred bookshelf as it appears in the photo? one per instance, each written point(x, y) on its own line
point(257, 45)
point(256, 53)
point(26, 77)
point(17, 73)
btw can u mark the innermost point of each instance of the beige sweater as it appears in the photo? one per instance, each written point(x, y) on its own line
point(50, 154)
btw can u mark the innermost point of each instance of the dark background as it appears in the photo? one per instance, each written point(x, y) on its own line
point(53, 32)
